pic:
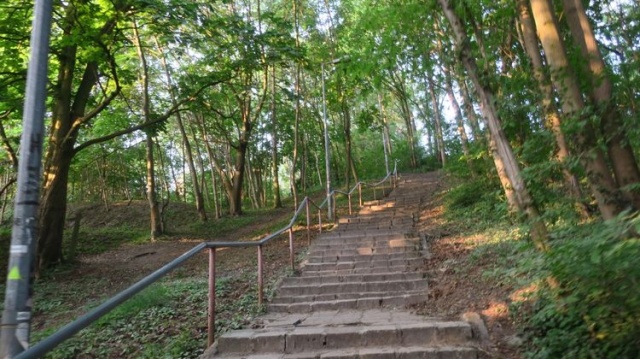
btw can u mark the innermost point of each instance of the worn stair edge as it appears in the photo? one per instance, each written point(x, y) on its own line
point(364, 250)
point(412, 352)
point(324, 297)
point(300, 339)
point(375, 270)
point(354, 277)
point(392, 301)
point(351, 287)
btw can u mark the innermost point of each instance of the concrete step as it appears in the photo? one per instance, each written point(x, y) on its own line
point(378, 270)
point(353, 287)
point(357, 257)
point(353, 243)
point(365, 250)
point(361, 303)
point(352, 278)
point(309, 339)
point(324, 297)
point(386, 352)
point(342, 265)
point(381, 218)
point(364, 233)
point(386, 226)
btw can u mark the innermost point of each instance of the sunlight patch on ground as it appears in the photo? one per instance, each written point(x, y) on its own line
point(523, 294)
point(496, 310)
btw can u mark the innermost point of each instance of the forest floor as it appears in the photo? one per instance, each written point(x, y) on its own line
point(457, 282)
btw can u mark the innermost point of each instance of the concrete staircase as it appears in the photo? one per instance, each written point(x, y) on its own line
point(348, 300)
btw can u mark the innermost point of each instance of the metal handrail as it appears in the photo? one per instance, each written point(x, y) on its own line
point(66, 332)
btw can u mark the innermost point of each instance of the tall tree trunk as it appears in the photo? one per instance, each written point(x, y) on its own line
point(467, 104)
point(442, 155)
point(625, 166)
point(538, 227)
point(154, 209)
point(397, 87)
point(464, 140)
point(68, 115)
point(601, 182)
point(349, 166)
point(296, 125)
point(215, 167)
point(385, 134)
point(197, 192)
point(235, 198)
point(165, 191)
point(199, 162)
point(552, 116)
point(277, 202)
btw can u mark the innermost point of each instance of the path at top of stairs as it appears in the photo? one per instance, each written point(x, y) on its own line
point(350, 297)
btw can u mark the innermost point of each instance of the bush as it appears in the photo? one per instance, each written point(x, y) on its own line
point(480, 199)
point(594, 310)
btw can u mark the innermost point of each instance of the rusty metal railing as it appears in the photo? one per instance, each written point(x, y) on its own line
point(82, 322)
point(391, 178)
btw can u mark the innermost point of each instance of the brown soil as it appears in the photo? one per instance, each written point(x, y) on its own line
point(458, 287)
point(103, 275)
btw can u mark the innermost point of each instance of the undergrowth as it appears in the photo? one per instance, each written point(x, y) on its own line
point(578, 300)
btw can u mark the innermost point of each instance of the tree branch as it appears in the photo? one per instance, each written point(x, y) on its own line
point(175, 108)
point(7, 144)
point(11, 181)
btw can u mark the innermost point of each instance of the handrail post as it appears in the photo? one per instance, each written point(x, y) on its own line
point(360, 193)
point(349, 203)
point(211, 319)
point(308, 212)
point(260, 276)
point(291, 253)
point(320, 221)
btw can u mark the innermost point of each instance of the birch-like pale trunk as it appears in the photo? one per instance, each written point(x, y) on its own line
point(503, 148)
point(601, 181)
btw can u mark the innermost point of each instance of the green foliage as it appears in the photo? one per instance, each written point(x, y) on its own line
point(594, 312)
point(157, 317)
point(480, 198)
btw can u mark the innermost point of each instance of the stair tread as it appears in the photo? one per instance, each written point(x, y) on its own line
point(368, 351)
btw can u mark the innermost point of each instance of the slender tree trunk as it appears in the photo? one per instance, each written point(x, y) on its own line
point(165, 191)
point(349, 165)
point(215, 167)
point(538, 227)
point(277, 202)
point(385, 134)
point(438, 123)
point(235, 200)
point(600, 180)
point(296, 125)
point(204, 191)
point(251, 185)
point(552, 116)
point(318, 169)
point(197, 192)
point(154, 209)
point(625, 166)
point(464, 140)
point(467, 104)
point(304, 165)
point(398, 89)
